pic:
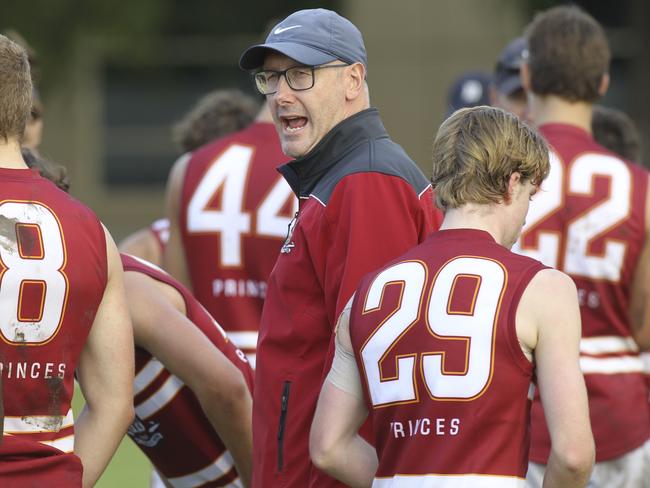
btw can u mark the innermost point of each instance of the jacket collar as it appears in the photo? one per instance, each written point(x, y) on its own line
point(305, 172)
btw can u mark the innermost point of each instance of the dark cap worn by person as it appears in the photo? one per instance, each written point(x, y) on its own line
point(311, 37)
point(506, 73)
point(468, 90)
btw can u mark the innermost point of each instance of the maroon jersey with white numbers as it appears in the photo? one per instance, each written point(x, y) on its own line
point(235, 213)
point(589, 221)
point(444, 377)
point(53, 272)
point(170, 426)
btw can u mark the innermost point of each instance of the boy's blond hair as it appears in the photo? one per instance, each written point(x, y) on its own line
point(475, 152)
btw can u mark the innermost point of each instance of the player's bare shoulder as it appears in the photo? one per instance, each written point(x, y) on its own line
point(552, 282)
point(549, 289)
point(549, 296)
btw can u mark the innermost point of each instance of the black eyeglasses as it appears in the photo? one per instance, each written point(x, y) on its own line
point(298, 78)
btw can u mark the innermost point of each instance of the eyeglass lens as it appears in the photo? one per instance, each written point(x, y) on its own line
point(298, 78)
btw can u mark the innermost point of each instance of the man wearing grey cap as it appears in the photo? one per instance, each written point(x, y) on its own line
point(507, 92)
point(363, 201)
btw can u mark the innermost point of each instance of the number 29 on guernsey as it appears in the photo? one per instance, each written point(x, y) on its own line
point(477, 326)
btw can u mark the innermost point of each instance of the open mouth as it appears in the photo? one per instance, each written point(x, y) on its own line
point(294, 123)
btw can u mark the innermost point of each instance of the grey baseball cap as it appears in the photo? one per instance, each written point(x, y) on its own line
point(311, 37)
point(506, 73)
point(468, 90)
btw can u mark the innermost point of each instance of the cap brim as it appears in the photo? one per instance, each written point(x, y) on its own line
point(253, 57)
point(509, 85)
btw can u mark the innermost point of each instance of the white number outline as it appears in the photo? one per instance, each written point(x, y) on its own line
point(614, 250)
point(227, 172)
point(547, 202)
point(435, 357)
point(403, 361)
point(266, 220)
point(384, 390)
point(4, 334)
point(557, 253)
point(269, 219)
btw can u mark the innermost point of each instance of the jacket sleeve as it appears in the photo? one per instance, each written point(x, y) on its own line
point(371, 218)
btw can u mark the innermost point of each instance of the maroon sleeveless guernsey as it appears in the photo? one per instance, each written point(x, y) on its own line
point(170, 426)
point(589, 221)
point(234, 215)
point(445, 379)
point(53, 272)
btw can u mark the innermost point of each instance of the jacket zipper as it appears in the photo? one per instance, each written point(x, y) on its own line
point(284, 405)
point(288, 244)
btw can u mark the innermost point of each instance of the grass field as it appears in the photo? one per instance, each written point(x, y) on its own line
point(129, 468)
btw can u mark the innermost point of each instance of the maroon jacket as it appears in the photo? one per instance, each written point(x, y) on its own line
point(363, 202)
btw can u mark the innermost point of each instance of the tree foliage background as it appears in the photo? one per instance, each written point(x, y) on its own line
point(133, 30)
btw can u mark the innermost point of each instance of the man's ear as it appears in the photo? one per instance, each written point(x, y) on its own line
point(524, 75)
point(355, 81)
point(604, 84)
point(513, 181)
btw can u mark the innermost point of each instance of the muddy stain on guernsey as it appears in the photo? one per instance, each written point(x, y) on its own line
point(21, 344)
point(55, 387)
point(53, 421)
point(46, 423)
point(8, 234)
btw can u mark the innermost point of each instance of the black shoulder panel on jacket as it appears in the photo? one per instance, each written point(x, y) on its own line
point(373, 156)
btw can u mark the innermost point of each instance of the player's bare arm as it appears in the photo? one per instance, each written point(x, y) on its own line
point(334, 444)
point(553, 332)
point(161, 327)
point(174, 257)
point(640, 297)
point(105, 375)
point(142, 244)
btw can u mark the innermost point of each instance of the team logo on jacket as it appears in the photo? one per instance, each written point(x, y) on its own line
point(288, 245)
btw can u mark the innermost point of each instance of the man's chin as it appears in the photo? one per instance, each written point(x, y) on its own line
point(293, 149)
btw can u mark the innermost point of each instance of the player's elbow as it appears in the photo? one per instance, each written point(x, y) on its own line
point(120, 411)
point(126, 412)
point(238, 394)
point(129, 414)
point(320, 455)
point(322, 448)
point(230, 393)
point(577, 459)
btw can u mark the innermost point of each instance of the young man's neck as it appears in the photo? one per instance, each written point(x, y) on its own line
point(478, 217)
point(550, 109)
point(10, 155)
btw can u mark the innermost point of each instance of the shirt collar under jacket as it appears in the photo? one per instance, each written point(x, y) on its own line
point(303, 174)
